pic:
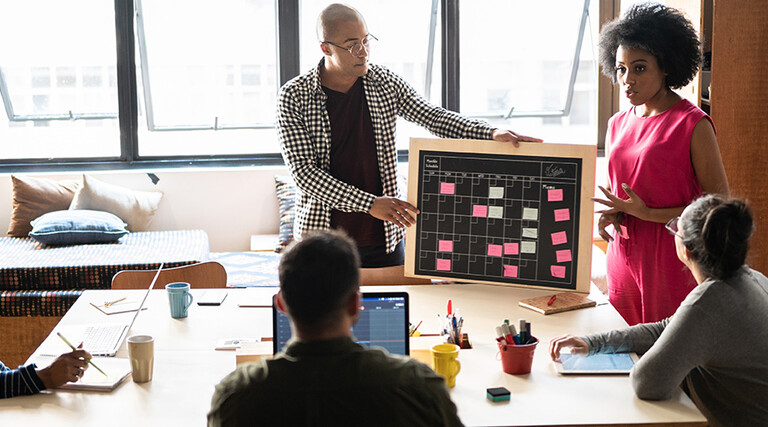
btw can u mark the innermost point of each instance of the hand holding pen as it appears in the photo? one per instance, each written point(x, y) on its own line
point(86, 358)
point(66, 368)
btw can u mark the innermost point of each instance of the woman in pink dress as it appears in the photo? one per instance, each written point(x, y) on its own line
point(662, 154)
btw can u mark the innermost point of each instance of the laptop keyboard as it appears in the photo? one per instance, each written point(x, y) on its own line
point(101, 339)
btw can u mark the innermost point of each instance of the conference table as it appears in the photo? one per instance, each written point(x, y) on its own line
point(187, 367)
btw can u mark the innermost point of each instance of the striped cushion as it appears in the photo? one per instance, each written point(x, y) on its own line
point(26, 264)
point(37, 303)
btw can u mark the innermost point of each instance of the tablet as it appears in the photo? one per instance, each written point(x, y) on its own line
point(601, 363)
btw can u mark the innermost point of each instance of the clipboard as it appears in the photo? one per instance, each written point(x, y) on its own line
point(564, 301)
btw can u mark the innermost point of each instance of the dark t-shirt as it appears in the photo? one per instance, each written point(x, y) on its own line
point(354, 160)
point(334, 382)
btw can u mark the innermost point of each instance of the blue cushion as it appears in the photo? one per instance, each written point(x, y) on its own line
point(72, 227)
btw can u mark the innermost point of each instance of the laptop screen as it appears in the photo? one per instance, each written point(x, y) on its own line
point(383, 322)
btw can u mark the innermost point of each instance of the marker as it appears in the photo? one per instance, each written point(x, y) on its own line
point(513, 332)
point(73, 349)
point(507, 333)
point(551, 300)
point(449, 308)
point(528, 336)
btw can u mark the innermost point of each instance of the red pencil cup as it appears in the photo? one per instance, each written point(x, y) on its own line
point(517, 359)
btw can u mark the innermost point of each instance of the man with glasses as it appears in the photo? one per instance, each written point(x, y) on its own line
point(336, 126)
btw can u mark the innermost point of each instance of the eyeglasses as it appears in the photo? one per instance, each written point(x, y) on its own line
point(356, 49)
point(672, 227)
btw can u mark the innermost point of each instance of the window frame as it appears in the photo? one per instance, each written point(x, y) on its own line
point(288, 67)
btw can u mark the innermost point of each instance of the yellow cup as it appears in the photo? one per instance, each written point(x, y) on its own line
point(445, 363)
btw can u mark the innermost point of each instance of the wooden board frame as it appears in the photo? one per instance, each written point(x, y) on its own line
point(503, 150)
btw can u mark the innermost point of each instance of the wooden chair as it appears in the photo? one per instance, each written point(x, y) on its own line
point(209, 274)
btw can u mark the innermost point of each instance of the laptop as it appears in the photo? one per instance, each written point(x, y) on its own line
point(104, 339)
point(383, 322)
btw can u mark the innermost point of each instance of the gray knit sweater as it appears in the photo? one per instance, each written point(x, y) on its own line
point(715, 346)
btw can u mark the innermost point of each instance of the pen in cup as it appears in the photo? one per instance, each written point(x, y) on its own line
point(73, 349)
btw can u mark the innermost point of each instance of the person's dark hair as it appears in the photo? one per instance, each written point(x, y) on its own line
point(716, 233)
point(318, 274)
point(663, 32)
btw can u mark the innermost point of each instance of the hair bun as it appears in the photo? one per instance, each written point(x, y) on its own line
point(716, 234)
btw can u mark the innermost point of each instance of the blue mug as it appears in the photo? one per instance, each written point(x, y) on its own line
point(179, 298)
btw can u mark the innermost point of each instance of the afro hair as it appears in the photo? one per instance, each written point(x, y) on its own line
point(661, 31)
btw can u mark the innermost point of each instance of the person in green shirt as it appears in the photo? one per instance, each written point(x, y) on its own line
point(323, 377)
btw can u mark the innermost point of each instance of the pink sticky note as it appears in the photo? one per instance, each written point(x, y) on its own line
point(494, 250)
point(555, 195)
point(480, 210)
point(445, 245)
point(511, 248)
point(562, 214)
point(443, 265)
point(624, 233)
point(563, 256)
point(510, 271)
point(447, 188)
point(559, 238)
point(558, 271)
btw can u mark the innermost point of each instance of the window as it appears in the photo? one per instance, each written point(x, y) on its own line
point(151, 83)
point(208, 86)
point(529, 67)
point(58, 80)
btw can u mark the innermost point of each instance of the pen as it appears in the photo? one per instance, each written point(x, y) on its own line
point(111, 303)
point(551, 300)
point(416, 328)
point(73, 349)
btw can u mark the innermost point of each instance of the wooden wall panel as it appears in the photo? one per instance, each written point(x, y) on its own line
point(739, 90)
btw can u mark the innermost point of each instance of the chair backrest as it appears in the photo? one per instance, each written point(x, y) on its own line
point(209, 274)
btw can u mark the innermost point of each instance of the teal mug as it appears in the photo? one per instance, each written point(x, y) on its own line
point(179, 298)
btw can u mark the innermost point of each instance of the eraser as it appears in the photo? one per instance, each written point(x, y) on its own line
point(497, 394)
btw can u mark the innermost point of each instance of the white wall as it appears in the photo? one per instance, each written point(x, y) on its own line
point(230, 204)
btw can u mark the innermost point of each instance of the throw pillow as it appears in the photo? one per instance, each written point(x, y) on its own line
point(285, 188)
point(73, 227)
point(33, 197)
point(136, 208)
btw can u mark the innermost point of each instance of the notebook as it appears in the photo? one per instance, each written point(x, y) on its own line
point(103, 339)
point(116, 368)
point(383, 322)
point(564, 301)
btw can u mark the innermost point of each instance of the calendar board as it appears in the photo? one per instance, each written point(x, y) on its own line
point(493, 213)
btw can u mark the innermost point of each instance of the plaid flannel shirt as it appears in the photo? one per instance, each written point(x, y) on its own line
point(304, 131)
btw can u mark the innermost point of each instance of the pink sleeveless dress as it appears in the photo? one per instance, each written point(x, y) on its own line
point(646, 280)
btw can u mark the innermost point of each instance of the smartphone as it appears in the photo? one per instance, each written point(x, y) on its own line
point(212, 297)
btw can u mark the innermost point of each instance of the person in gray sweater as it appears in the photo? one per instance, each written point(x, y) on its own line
point(715, 345)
